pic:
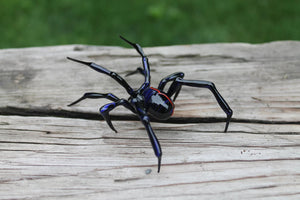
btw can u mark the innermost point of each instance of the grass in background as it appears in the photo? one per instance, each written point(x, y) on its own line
point(26, 23)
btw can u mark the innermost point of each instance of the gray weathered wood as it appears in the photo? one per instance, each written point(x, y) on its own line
point(45, 156)
point(51, 158)
point(260, 82)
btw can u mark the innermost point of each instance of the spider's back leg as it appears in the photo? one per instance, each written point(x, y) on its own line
point(211, 86)
point(174, 88)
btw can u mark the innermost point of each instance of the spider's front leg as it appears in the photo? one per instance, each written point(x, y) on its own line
point(153, 139)
point(93, 95)
point(104, 110)
point(146, 67)
point(103, 70)
point(209, 85)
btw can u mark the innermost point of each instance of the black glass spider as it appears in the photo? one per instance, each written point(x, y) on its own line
point(148, 100)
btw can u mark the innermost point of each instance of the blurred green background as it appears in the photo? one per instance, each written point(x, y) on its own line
point(26, 23)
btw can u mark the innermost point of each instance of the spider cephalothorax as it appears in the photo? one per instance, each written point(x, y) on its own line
point(147, 100)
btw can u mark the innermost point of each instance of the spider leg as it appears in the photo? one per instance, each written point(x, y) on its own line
point(146, 67)
point(138, 70)
point(103, 70)
point(153, 139)
point(92, 95)
point(211, 86)
point(169, 78)
point(136, 46)
point(174, 88)
point(104, 110)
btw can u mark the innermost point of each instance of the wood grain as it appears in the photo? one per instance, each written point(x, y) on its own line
point(51, 151)
point(50, 158)
point(260, 82)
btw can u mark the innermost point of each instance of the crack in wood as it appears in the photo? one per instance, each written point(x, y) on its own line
point(46, 112)
point(42, 143)
point(126, 180)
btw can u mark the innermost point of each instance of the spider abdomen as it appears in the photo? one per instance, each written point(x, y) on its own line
point(158, 104)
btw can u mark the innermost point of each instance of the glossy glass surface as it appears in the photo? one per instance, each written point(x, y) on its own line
point(159, 105)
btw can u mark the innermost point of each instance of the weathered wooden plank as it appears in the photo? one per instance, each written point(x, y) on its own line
point(53, 158)
point(67, 158)
point(260, 82)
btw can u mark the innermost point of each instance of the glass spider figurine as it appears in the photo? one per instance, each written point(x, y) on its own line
point(147, 100)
